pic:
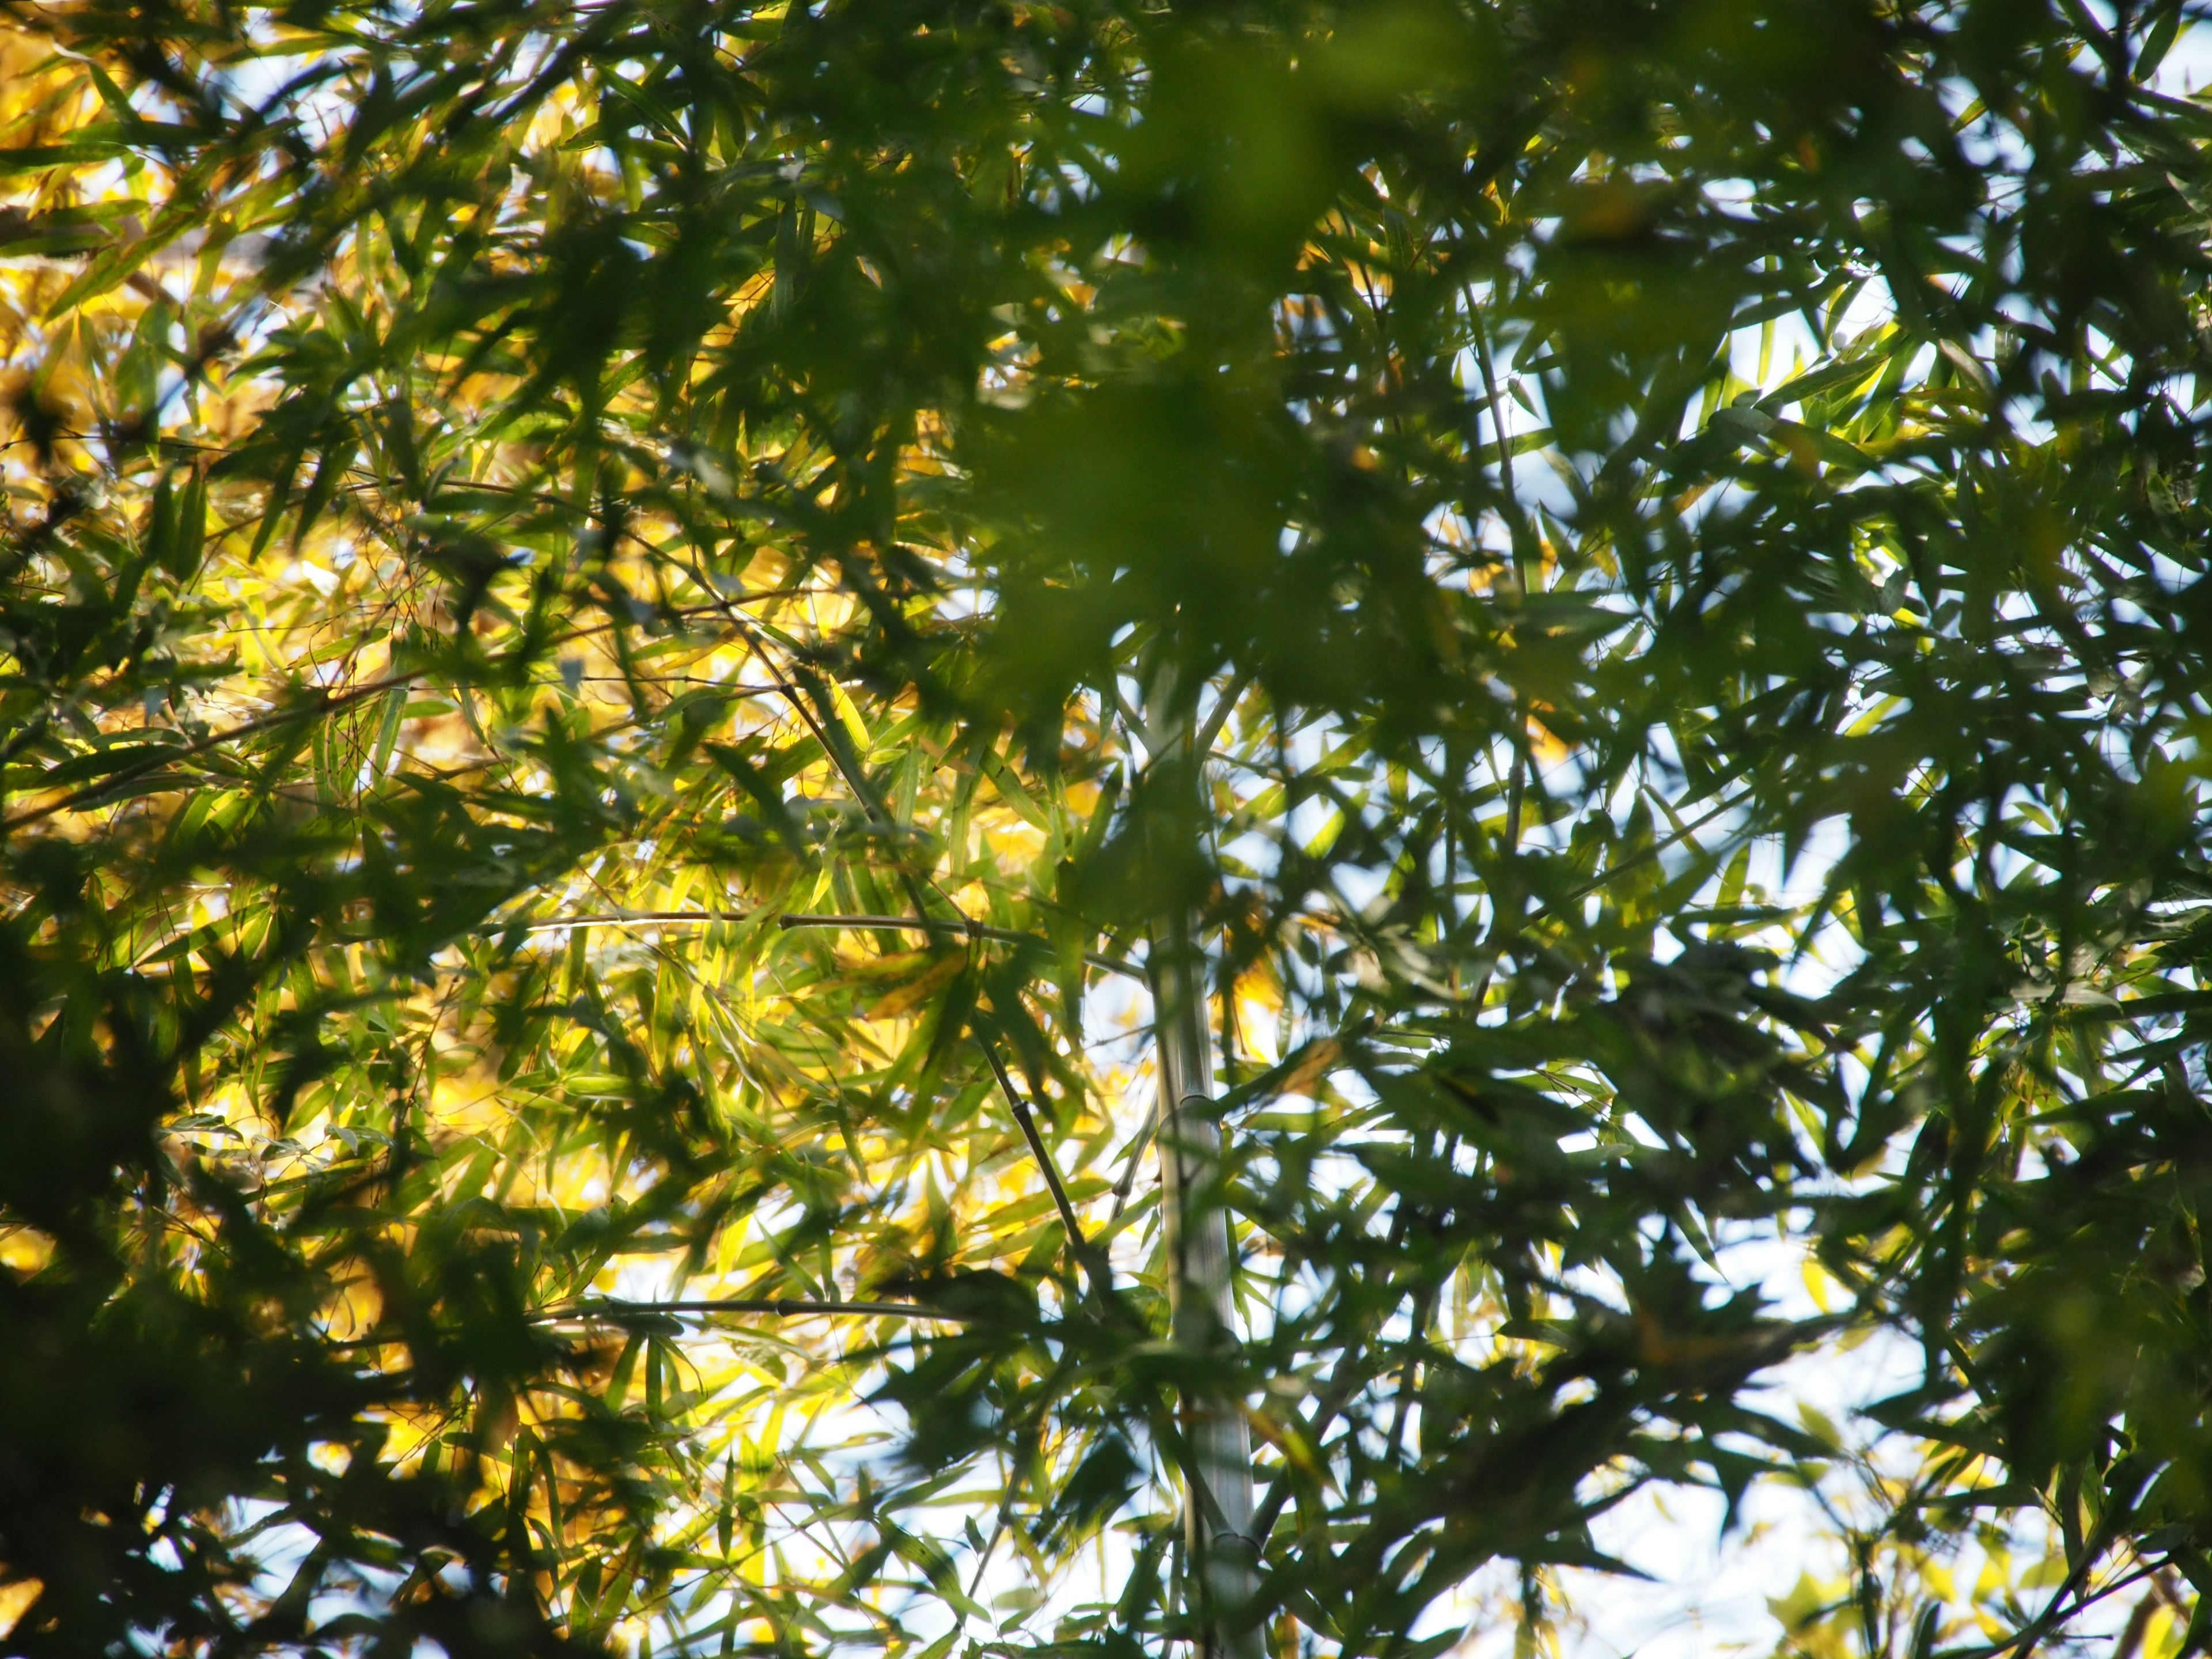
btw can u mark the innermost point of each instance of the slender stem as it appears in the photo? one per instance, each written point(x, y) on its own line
point(1077, 1244)
point(1217, 1527)
point(998, 1531)
point(1104, 963)
point(1131, 1159)
point(164, 754)
point(1516, 525)
point(975, 929)
point(1344, 1381)
point(784, 1306)
point(1646, 854)
point(851, 767)
point(1224, 706)
point(796, 919)
point(618, 918)
point(330, 703)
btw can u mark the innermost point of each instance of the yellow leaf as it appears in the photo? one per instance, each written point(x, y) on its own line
point(16, 1600)
point(1313, 1065)
point(849, 715)
point(1820, 1285)
point(916, 991)
point(25, 1250)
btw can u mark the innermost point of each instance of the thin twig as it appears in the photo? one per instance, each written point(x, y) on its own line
point(983, 1557)
point(1077, 1242)
point(329, 704)
point(1642, 855)
point(1135, 1154)
point(617, 918)
point(789, 919)
point(786, 1306)
point(2022, 1643)
point(1218, 715)
point(1656, 848)
point(165, 755)
point(852, 767)
point(932, 925)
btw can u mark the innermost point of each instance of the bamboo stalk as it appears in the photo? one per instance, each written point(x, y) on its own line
point(1218, 1529)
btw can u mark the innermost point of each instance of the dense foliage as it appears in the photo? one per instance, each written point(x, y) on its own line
point(605, 608)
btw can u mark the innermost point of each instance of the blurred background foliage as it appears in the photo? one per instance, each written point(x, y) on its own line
point(1677, 526)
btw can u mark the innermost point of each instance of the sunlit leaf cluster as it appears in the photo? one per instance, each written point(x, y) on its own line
point(631, 635)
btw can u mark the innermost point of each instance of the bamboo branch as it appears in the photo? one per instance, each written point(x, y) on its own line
point(1644, 854)
point(850, 766)
point(785, 1306)
point(617, 918)
point(164, 755)
point(330, 703)
point(974, 929)
point(1132, 1158)
point(1076, 1242)
point(1224, 703)
point(789, 919)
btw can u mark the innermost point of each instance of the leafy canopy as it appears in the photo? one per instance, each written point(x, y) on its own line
point(1672, 529)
